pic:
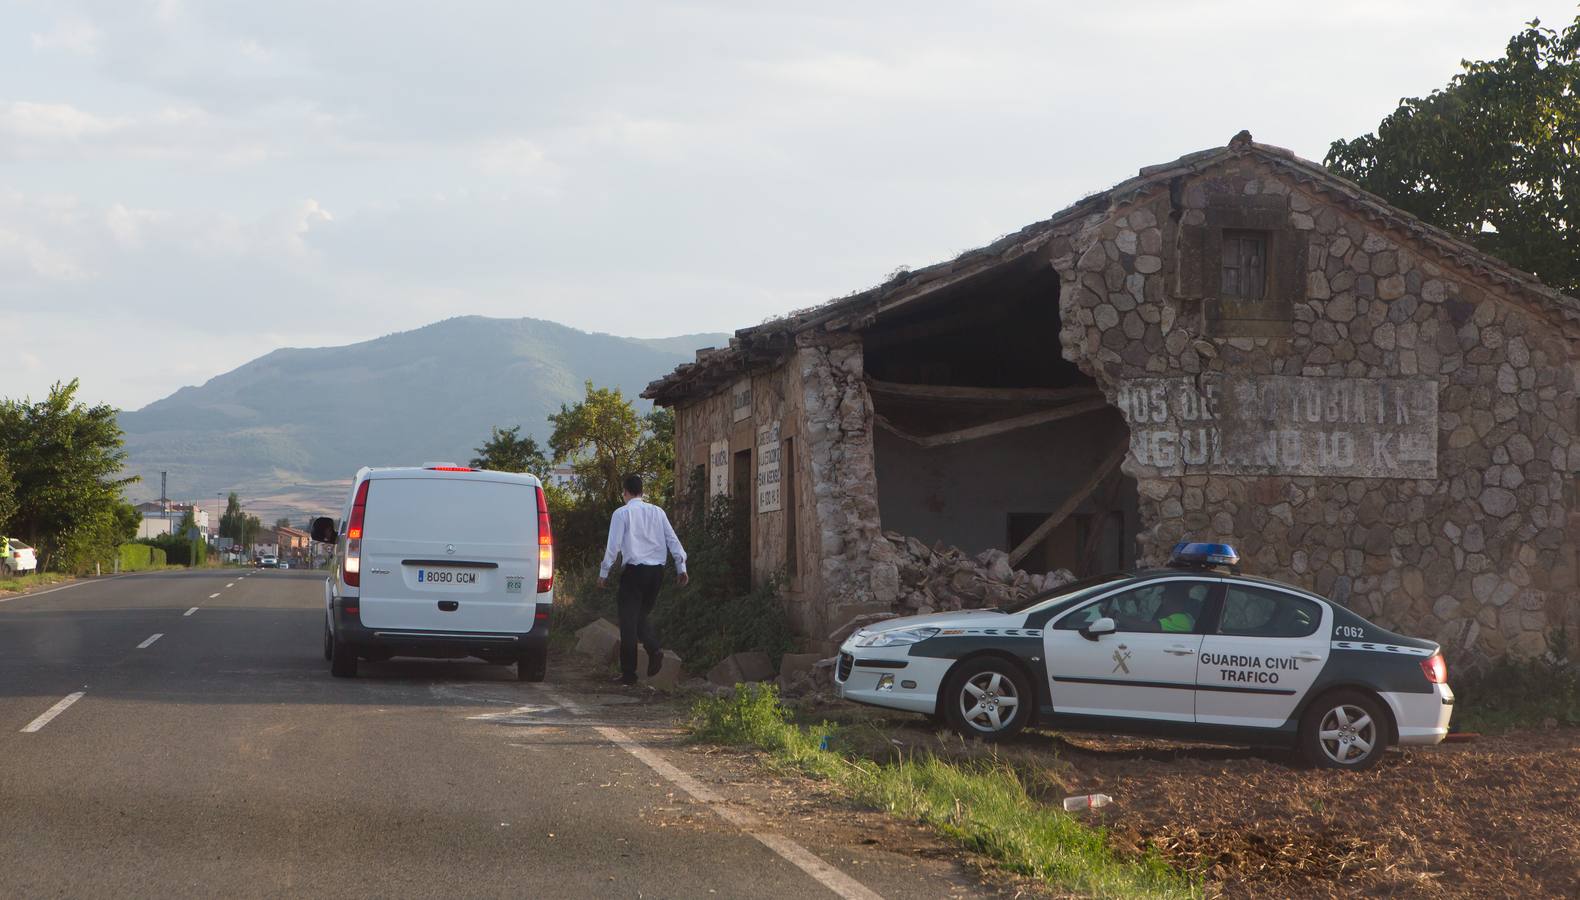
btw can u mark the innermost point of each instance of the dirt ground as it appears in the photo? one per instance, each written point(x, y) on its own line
point(1496, 817)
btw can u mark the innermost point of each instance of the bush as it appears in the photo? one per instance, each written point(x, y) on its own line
point(717, 614)
point(138, 557)
point(1518, 694)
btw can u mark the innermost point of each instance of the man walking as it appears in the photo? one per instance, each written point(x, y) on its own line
point(641, 533)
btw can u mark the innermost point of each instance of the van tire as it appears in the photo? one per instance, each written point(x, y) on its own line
point(533, 666)
point(329, 643)
point(342, 661)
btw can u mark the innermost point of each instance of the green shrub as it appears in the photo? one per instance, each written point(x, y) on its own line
point(138, 557)
point(1517, 694)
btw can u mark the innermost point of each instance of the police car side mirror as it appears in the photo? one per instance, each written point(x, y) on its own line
point(1099, 628)
point(324, 530)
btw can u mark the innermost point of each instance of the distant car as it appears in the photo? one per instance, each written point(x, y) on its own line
point(441, 561)
point(284, 565)
point(269, 562)
point(22, 558)
point(1196, 650)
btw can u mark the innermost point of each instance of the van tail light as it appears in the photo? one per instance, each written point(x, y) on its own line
point(352, 568)
point(545, 546)
point(1435, 668)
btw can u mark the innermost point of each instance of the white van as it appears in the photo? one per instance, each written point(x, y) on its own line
point(439, 561)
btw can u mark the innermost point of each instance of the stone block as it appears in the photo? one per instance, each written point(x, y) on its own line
point(599, 641)
point(741, 668)
point(797, 663)
point(669, 673)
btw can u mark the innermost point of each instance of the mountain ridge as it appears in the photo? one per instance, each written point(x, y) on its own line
point(299, 416)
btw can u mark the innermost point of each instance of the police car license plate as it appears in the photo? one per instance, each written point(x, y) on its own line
point(463, 577)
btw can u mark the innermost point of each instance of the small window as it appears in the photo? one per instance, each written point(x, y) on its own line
point(1255, 612)
point(1159, 607)
point(1244, 265)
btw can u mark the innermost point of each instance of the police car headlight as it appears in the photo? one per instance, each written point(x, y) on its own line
point(895, 638)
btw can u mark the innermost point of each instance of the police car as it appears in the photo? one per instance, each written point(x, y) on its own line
point(1196, 650)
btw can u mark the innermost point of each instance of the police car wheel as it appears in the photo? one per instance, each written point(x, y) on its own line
point(987, 698)
point(1344, 730)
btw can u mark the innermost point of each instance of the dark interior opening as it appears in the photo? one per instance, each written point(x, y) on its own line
point(984, 429)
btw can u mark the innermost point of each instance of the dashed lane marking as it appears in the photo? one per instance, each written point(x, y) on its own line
point(190, 611)
point(52, 712)
point(232, 584)
point(146, 644)
point(835, 880)
point(212, 596)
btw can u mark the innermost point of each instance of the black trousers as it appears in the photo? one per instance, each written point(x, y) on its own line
point(638, 592)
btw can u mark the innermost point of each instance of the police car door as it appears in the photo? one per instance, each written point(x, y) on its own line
point(1262, 656)
point(1140, 670)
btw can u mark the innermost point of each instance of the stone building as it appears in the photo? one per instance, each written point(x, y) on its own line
point(1237, 345)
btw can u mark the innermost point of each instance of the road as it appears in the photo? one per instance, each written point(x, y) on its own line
point(220, 759)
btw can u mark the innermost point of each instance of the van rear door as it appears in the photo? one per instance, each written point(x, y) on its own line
point(450, 552)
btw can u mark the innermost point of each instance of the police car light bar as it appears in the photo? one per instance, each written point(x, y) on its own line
point(1187, 554)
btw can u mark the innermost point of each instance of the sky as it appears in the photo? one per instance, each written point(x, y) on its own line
point(185, 186)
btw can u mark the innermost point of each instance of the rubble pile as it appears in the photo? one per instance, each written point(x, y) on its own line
point(941, 577)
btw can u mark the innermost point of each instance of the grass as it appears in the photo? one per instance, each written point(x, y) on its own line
point(30, 582)
point(982, 805)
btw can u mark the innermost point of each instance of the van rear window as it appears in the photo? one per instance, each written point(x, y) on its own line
point(442, 509)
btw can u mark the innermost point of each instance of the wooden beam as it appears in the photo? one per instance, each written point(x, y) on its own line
point(1014, 423)
point(952, 392)
point(1076, 498)
point(1105, 508)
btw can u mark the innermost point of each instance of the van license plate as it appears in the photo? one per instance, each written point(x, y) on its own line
point(446, 576)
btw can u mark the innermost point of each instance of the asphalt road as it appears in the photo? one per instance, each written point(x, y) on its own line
point(222, 760)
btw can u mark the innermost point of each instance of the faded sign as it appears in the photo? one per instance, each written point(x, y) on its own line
point(718, 468)
point(741, 401)
point(1283, 425)
point(769, 497)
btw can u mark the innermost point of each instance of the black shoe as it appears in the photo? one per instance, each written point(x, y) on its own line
point(623, 680)
point(655, 663)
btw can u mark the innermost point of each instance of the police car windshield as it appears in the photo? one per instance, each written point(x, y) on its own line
point(1066, 593)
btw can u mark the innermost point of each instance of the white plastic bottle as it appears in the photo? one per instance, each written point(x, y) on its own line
point(1086, 801)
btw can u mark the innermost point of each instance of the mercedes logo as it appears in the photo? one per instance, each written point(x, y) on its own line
point(449, 548)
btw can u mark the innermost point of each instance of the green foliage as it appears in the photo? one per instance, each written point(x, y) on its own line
point(1518, 695)
point(178, 550)
point(96, 541)
point(604, 439)
point(65, 459)
point(282, 523)
point(1494, 157)
point(507, 451)
point(138, 557)
point(7, 493)
point(236, 524)
point(983, 806)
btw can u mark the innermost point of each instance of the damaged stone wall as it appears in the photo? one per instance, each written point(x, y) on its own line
point(1467, 540)
point(857, 567)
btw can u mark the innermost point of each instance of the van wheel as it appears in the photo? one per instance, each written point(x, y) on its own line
point(329, 643)
point(1344, 730)
point(987, 697)
point(342, 661)
point(532, 666)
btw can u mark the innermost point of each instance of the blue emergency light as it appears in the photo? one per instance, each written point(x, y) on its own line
point(1189, 555)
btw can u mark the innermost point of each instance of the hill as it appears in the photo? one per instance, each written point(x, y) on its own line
point(290, 427)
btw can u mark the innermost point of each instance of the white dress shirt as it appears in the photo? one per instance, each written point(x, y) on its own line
point(641, 533)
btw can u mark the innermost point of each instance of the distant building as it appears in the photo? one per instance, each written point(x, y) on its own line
point(561, 476)
point(160, 519)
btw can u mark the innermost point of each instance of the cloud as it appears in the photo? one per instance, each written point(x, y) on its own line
point(70, 34)
point(25, 121)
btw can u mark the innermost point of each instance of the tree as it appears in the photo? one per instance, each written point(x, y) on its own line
point(1493, 158)
point(506, 451)
point(282, 522)
point(604, 440)
point(7, 494)
point(232, 521)
point(66, 459)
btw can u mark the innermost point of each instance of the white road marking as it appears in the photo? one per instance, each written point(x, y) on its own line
point(190, 611)
point(841, 884)
point(145, 644)
point(52, 712)
point(232, 584)
point(212, 596)
point(65, 587)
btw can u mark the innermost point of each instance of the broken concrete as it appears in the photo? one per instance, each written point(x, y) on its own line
point(742, 668)
point(599, 641)
point(669, 673)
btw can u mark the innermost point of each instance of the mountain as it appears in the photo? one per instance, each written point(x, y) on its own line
point(290, 427)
